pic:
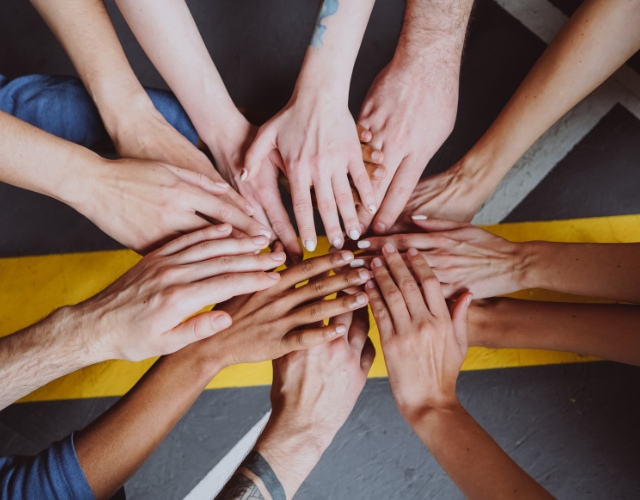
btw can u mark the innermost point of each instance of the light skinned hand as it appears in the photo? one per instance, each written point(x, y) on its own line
point(424, 345)
point(144, 204)
point(140, 315)
point(464, 257)
point(320, 148)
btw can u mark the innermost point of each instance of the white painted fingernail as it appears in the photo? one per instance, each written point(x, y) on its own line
point(357, 263)
point(354, 234)
point(337, 243)
point(372, 209)
point(310, 245)
point(244, 174)
point(222, 184)
point(419, 217)
point(266, 232)
point(364, 244)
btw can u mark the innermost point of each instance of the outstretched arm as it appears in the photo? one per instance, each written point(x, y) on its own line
point(582, 56)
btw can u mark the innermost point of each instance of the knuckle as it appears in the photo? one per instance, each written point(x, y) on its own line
point(172, 295)
point(409, 285)
point(225, 210)
point(302, 207)
point(229, 280)
point(279, 227)
point(315, 311)
point(344, 198)
point(361, 178)
point(308, 266)
point(319, 287)
point(326, 205)
point(394, 296)
point(431, 282)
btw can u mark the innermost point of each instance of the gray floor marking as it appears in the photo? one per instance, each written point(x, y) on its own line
point(217, 477)
point(545, 20)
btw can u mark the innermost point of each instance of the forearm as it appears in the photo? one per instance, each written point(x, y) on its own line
point(608, 271)
point(577, 61)
point(113, 447)
point(471, 458)
point(58, 345)
point(608, 331)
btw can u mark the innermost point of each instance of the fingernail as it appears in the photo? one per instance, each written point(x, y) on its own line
point(346, 256)
point(370, 284)
point(364, 244)
point(222, 184)
point(354, 234)
point(389, 248)
point(310, 245)
point(357, 263)
point(249, 209)
point(337, 243)
point(372, 209)
point(278, 256)
point(260, 240)
point(380, 227)
point(265, 231)
point(366, 135)
point(376, 262)
point(274, 276)
point(364, 274)
point(378, 172)
point(419, 217)
point(469, 299)
point(375, 155)
point(413, 252)
point(244, 174)
point(221, 322)
point(361, 298)
point(340, 329)
point(223, 227)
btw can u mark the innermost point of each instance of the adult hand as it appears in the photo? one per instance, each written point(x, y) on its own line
point(319, 145)
point(464, 257)
point(410, 112)
point(268, 325)
point(140, 315)
point(423, 344)
point(143, 204)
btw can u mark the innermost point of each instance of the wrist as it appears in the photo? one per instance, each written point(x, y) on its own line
point(321, 87)
point(75, 330)
point(428, 413)
point(528, 258)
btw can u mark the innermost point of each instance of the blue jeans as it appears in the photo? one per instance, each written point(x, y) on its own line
point(62, 106)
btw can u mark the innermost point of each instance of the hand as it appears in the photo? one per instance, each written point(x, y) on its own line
point(312, 395)
point(410, 111)
point(144, 204)
point(319, 145)
point(141, 314)
point(423, 345)
point(464, 257)
point(268, 325)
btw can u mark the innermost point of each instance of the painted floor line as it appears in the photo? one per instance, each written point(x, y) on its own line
point(217, 477)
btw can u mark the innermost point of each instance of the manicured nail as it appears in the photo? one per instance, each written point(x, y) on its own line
point(249, 209)
point(221, 322)
point(266, 232)
point(419, 217)
point(337, 243)
point(340, 329)
point(364, 274)
point(372, 209)
point(244, 174)
point(274, 276)
point(223, 227)
point(357, 263)
point(370, 285)
point(310, 245)
point(260, 240)
point(278, 256)
point(378, 172)
point(380, 227)
point(346, 256)
point(376, 262)
point(389, 248)
point(413, 252)
point(364, 244)
point(354, 234)
point(222, 184)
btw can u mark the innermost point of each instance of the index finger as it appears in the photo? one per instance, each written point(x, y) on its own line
point(312, 267)
point(431, 288)
point(392, 295)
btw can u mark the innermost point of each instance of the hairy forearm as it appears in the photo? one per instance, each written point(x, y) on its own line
point(608, 331)
point(471, 458)
point(608, 271)
point(113, 447)
point(33, 357)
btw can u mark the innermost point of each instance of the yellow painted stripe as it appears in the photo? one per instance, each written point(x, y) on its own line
point(31, 287)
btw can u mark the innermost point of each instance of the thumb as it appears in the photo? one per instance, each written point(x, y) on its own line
point(436, 224)
point(196, 328)
point(459, 319)
point(264, 143)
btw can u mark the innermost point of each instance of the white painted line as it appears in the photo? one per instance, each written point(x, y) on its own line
point(217, 477)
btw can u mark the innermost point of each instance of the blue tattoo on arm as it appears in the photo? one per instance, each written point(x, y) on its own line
point(328, 8)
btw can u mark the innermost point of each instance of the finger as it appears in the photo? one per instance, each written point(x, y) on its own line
point(376, 172)
point(208, 249)
point(322, 287)
point(400, 241)
point(392, 295)
point(365, 218)
point(232, 195)
point(329, 212)
point(359, 330)
point(380, 311)
point(430, 284)
point(296, 340)
point(459, 319)
point(323, 309)
point(364, 134)
point(344, 198)
point(198, 179)
point(282, 227)
point(310, 268)
point(211, 232)
point(403, 184)
point(303, 209)
point(371, 154)
point(368, 355)
point(437, 224)
point(263, 144)
point(232, 264)
point(226, 212)
point(405, 281)
point(362, 183)
point(198, 327)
